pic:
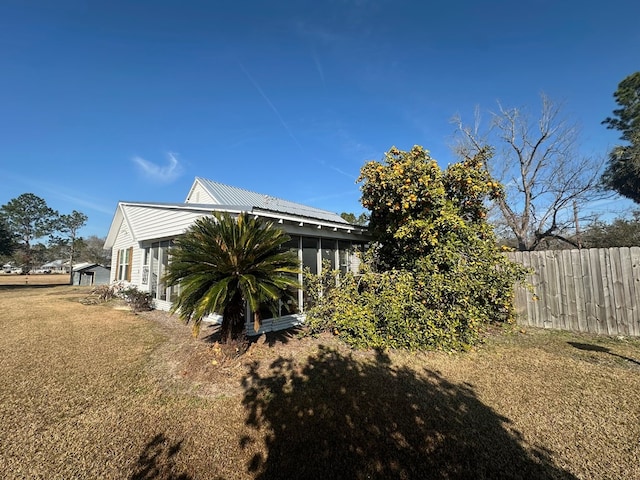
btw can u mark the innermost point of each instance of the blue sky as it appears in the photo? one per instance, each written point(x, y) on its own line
point(130, 100)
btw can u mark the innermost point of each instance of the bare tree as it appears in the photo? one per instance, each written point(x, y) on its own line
point(538, 162)
point(92, 250)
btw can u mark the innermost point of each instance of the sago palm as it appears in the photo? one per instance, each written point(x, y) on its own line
point(222, 262)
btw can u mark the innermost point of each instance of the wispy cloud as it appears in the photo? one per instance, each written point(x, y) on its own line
point(108, 210)
point(352, 147)
point(57, 193)
point(342, 172)
point(271, 105)
point(160, 173)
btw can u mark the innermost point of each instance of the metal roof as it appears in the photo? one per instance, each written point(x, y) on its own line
point(228, 195)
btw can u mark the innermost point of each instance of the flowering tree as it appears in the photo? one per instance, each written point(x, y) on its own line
point(417, 209)
point(439, 275)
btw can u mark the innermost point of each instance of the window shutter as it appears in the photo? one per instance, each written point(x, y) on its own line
point(117, 269)
point(129, 264)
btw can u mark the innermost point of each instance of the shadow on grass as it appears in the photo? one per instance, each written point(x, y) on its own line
point(598, 348)
point(213, 335)
point(273, 338)
point(156, 460)
point(335, 417)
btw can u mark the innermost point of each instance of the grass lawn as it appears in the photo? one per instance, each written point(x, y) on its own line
point(91, 391)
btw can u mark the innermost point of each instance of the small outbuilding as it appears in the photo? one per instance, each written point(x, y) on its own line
point(90, 274)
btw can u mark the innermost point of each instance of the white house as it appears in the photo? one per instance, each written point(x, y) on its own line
point(141, 233)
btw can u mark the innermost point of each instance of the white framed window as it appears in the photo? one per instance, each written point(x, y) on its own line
point(123, 264)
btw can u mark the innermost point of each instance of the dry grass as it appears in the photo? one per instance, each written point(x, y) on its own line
point(33, 279)
point(96, 392)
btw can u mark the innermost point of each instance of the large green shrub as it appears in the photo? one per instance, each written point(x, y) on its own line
point(438, 275)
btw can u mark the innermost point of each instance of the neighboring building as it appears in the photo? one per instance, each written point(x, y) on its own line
point(57, 266)
point(90, 274)
point(141, 233)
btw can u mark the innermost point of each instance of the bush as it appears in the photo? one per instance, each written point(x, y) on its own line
point(104, 292)
point(435, 275)
point(137, 300)
point(420, 310)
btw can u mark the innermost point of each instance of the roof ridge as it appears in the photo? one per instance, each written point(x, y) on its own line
point(306, 207)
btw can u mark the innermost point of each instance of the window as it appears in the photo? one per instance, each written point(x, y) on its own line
point(313, 253)
point(329, 253)
point(157, 260)
point(310, 254)
point(145, 267)
point(343, 256)
point(162, 268)
point(123, 263)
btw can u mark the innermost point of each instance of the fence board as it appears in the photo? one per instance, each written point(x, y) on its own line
point(600, 288)
point(570, 307)
point(589, 296)
point(590, 290)
point(622, 294)
point(537, 262)
point(609, 292)
point(634, 253)
point(576, 287)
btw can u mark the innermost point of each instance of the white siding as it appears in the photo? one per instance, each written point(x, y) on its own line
point(276, 324)
point(200, 195)
point(268, 325)
point(123, 240)
point(151, 223)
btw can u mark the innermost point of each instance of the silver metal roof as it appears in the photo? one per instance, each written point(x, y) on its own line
point(227, 195)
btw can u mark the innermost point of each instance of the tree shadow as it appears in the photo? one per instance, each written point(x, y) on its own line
point(214, 335)
point(335, 417)
point(157, 460)
point(277, 337)
point(598, 348)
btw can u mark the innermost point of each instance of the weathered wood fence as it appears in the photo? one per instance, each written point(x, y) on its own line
point(593, 290)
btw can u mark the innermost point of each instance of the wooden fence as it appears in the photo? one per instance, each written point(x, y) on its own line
point(593, 290)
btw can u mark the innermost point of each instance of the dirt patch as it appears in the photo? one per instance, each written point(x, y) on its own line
point(201, 366)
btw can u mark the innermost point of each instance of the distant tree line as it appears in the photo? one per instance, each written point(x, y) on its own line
point(32, 233)
point(361, 220)
point(622, 231)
